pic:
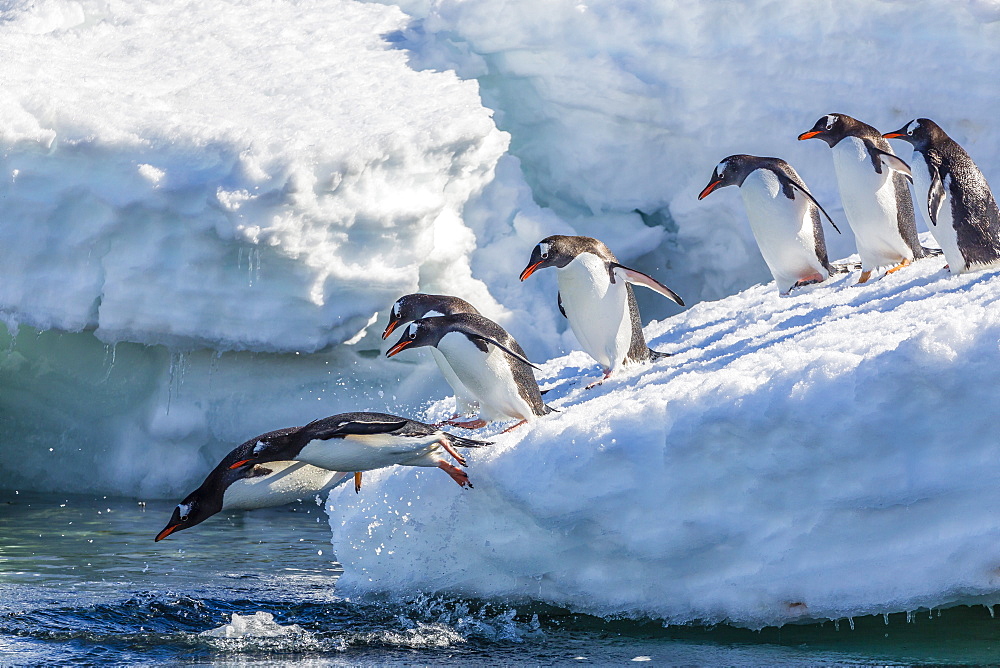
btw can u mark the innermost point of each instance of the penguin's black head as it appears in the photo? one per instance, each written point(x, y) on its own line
point(274, 446)
point(556, 251)
point(732, 171)
point(418, 305)
point(921, 132)
point(197, 507)
point(423, 332)
point(831, 128)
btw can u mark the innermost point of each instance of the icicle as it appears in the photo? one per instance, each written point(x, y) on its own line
point(885, 618)
point(850, 620)
point(990, 608)
point(836, 625)
point(909, 617)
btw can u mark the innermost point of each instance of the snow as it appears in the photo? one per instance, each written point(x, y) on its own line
point(207, 210)
point(828, 454)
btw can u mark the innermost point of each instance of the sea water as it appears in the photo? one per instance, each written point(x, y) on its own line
point(81, 581)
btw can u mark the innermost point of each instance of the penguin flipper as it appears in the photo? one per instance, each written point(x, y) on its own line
point(880, 157)
point(559, 302)
point(789, 185)
point(486, 339)
point(935, 195)
point(638, 278)
point(657, 355)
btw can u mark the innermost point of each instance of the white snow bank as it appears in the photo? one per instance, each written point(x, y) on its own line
point(240, 175)
point(829, 454)
point(614, 106)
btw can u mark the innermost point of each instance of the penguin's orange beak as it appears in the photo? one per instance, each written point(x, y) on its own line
point(399, 346)
point(709, 188)
point(893, 135)
point(166, 532)
point(810, 134)
point(530, 269)
point(393, 324)
point(238, 464)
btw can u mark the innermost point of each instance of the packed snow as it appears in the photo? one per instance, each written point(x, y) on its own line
point(207, 209)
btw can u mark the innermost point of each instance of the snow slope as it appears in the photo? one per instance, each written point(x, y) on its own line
point(829, 454)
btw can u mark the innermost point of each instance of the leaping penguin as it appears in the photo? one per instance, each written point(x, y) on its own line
point(596, 296)
point(250, 487)
point(960, 210)
point(873, 190)
point(784, 218)
point(418, 305)
point(487, 360)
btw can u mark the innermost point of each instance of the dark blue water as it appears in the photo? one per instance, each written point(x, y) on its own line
point(82, 582)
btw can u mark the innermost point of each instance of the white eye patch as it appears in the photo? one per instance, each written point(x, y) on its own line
point(260, 446)
point(544, 248)
point(184, 509)
point(721, 168)
point(912, 126)
point(411, 330)
point(396, 309)
point(830, 120)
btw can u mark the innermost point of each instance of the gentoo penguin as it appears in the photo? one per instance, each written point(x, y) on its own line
point(488, 361)
point(960, 212)
point(784, 218)
point(363, 442)
point(597, 299)
point(250, 487)
point(416, 306)
point(873, 190)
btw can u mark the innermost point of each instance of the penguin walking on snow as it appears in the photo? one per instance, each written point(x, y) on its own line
point(363, 442)
point(960, 210)
point(596, 296)
point(784, 218)
point(487, 360)
point(416, 306)
point(873, 190)
point(250, 487)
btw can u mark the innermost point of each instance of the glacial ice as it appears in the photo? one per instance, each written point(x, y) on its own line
point(205, 211)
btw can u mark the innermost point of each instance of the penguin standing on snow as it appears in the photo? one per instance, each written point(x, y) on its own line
point(487, 360)
point(363, 442)
point(960, 211)
point(416, 306)
point(873, 190)
point(784, 218)
point(596, 296)
point(250, 487)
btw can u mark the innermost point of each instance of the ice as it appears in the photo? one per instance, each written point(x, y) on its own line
point(259, 624)
point(824, 455)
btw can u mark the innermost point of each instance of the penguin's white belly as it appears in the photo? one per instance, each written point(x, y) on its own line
point(944, 232)
point(783, 229)
point(288, 482)
point(464, 400)
point(487, 375)
point(366, 452)
point(597, 309)
point(869, 200)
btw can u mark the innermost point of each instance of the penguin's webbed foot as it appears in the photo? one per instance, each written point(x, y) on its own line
point(808, 280)
point(607, 374)
point(514, 426)
point(452, 451)
point(357, 482)
point(457, 474)
point(904, 263)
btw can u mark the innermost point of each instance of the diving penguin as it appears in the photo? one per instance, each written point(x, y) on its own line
point(418, 305)
point(595, 295)
point(783, 215)
point(960, 210)
point(250, 487)
point(873, 190)
point(488, 361)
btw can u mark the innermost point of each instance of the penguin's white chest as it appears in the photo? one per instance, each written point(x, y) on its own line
point(287, 482)
point(487, 376)
point(944, 232)
point(597, 309)
point(358, 452)
point(783, 229)
point(869, 200)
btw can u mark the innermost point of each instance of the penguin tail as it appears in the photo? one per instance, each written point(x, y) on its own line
point(546, 409)
point(845, 268)
point(931, 252)
point(655, 355)
point(460, 442)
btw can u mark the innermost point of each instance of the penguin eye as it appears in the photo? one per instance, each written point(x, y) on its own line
point(183, 511)
point(413, 334)
point(545, 255)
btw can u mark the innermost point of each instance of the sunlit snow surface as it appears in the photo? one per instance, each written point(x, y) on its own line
point(828, 454)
